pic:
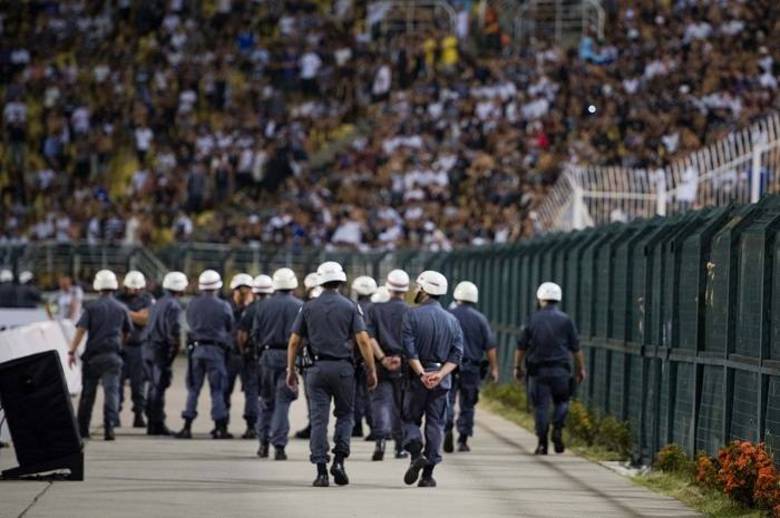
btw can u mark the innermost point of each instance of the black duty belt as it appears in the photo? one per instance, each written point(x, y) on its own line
point(199, 343)
point(430, 365)
point(476, 363)
point(329, 358)
point(275, 347)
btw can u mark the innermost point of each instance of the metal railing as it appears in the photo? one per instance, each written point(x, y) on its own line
point(407, 16)
point(739, 168)
point(562, 22)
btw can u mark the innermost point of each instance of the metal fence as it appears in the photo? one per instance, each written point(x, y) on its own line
point(741, 167)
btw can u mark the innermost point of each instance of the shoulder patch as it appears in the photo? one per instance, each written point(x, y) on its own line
point(360, 310)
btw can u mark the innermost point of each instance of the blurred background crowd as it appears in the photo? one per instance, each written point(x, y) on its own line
point(295, 123)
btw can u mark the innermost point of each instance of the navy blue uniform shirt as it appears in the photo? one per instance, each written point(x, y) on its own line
point(385, 322)
point(273, 320)
point(210, 319)
point(164, 325)
point(432, 335)
point(477, 336)
point(329, 322)
point(136, 302)
point(550, 337)
point(105, 320)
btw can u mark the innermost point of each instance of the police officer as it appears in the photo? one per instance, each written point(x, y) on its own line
point(329, 322)
point(382, 295)
point(240, 364)
point(362, 288)
point(7, 289)
point(107, 325)
point(547, 345)
point(161, 345)
point(28, 295)
point(210, 320)
point(385, 325)
point(433, 347)
point(138, 302)
point(478, 341)
point(311, 283)
point(271, 331)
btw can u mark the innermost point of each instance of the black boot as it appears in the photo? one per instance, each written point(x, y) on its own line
point(541, 449)
point(139, 422)
point(84, 431)
point(339, 473)
point(322, 476)
point(463, 444)
point(250, 432)
point(371, 436)
point(108, 435)
point(221, 431)
point(557, 439)
point(418, 463)
point(448, 442)
point(279, 454)
point(157, 428)
point(357, 430)
point(186, 431)
point(427, 479)
point(305, 434)
point(379, 451)
point(262, 451)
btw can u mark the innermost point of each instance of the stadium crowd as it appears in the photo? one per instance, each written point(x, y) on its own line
point(296, 124)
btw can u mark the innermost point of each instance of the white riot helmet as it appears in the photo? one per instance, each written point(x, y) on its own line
point(6, 276)
point(397, 280)
point(263, 284)
point(331, 271)
point(364, 286)
point(25, 277)
point(175, 281)
point(549, 291)
point(285, 279)
point(209, 280)
point(466, 291)
point(311, 281)
point(134, 280)
point(432, 283)
point(381, 295)
point(241, 279)
point(315, 292)
point(105, 280)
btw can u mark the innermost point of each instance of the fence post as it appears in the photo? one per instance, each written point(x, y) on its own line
point(755, 173)
point(578, 207)
point(660, 194)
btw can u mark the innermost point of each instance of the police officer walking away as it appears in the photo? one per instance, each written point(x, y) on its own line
point(328, 323)
point(211, 322)
point(262, 287)
point(240, 364)
point(271, 329)
point(478, 341)
point(385, 325)
point(161, 345)
point(138, 303)
point(363, 287)
point(547, 345)
point(433, 346)
point(107, 325)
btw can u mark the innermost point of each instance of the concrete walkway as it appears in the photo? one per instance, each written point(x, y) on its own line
point(139, 476)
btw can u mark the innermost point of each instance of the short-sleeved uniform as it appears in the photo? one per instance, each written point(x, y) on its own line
point(132, 353)
point(28, 296)
point(385, 325)
point(477, 340)
point(329, 322)
point(161, 336)
point(434, 337)
point(271, 330)
point(210, 320)
point(106, 322)
point(549, 340)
